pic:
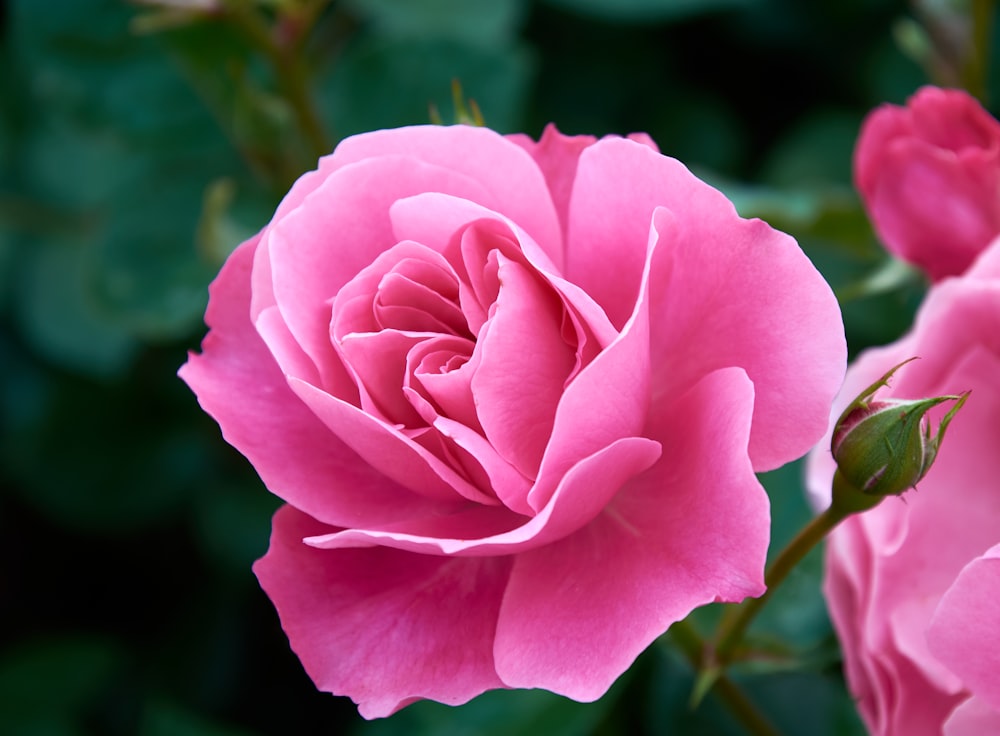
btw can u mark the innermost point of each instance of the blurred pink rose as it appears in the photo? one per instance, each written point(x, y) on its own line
point(514, 395)
point(929, 175)
point(912, 585)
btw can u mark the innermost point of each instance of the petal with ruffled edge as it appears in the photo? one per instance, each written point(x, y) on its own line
point(964, 634)
point(725, 292)
point(382, 626)
point(515, 184)
point(691, 530)
point(974, 717)
point(308, 255)
point(238, 383)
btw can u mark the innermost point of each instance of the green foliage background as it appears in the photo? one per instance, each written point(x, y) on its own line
point(138, 147)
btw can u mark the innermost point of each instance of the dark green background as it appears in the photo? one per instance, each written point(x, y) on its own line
point(131, 163)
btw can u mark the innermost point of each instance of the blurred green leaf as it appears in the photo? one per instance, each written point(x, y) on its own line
point(163, 718)
point(476, 22)
point(234, 524)
point(381, 82)
point(102, 458)
point(59, 316)
point(815, 153)
point(124, 146)
point(648, 10)
point(47, 684)
point(806, 703)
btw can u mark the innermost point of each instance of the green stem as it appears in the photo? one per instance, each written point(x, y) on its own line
point(743, 709)
point(735, 623)
point(289, 69)
point(977, 65)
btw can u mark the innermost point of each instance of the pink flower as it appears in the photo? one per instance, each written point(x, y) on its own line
point(912, 585)
point(929, 175)
point(514, 395)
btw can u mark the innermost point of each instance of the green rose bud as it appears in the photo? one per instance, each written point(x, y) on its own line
point(883, 447)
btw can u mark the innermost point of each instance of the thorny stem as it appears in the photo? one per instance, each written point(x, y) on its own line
point(977, 65)
point(291, 73)
point(743, 709)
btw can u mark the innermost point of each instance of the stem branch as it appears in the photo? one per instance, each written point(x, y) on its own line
point(288, 67)
point(743, 709)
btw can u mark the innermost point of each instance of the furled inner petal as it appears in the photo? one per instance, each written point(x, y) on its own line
point(408, 287)
point(421, 297)
point(379, 363)
point(525, 364)
point(441, 371)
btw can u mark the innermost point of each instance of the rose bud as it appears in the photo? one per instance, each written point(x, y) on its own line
point(884, 447)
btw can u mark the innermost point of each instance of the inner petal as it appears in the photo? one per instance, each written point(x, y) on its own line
point(403, 303)
point(408, 282)
point(441, 371)
point(524, 366)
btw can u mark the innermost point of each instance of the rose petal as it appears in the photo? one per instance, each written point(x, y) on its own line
point(582, 494)
point(387, 450)
point(964, 634)
point(346, 215)
point(523, 367)
point(685, 533)
point(513, 180)
point(556, 155)
point(436, 219)
point(379, 362)
point(925, 197)
point(708, 280)
point(239, 384)
point(380, 625)
point(607, 400)
point(974, 717)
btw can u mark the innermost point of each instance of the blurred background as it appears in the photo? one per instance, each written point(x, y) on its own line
point(141, 142)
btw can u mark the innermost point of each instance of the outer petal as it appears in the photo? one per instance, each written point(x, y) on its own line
point(972, 718)
point(585, 490)
point(338, 230)
point(691, 530)
point(381, 626)
point(929, 174)
point(725, 291)
point(515, 184)
point(964, 634)
point(239, 384)
point(557, 155)
point(933, 209)
point(742, 294)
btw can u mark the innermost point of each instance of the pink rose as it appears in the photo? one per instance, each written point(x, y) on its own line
point(929, 175)
point(514, 395)
point(912, 585)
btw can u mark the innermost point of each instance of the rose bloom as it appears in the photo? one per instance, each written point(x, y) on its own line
point(912, 585)
point(514, 395)
point(929, 175)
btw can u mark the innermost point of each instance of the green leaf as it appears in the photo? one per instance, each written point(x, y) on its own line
point(234, 523)
point(72, 451)
point(815, 153)
point(476, 22)
point(638, 11)
point(382, 83)
point(60, 676)
point(59, 317)
point(163, 718)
